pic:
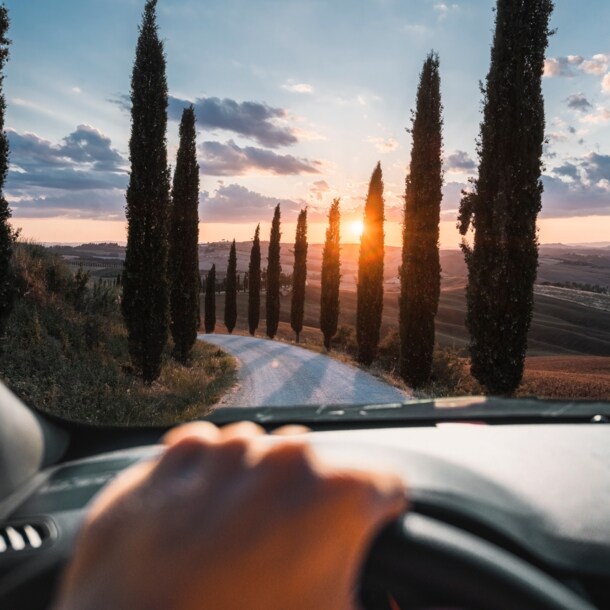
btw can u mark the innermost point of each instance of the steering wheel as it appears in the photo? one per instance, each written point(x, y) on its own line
point(419, 558)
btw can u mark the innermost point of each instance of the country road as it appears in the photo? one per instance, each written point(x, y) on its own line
point(275, 374)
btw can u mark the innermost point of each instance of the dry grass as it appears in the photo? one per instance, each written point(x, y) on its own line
point(586, 377)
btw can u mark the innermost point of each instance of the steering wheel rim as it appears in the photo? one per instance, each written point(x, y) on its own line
point(417, 552)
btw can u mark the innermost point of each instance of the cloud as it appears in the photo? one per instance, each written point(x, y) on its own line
point(443, 9)
point(562, 66)
point(597, 65)
point(459, 162)
point(578, 187)
point(236, 203)
point(92, 204)
point(229, 159)
point(384, 145)
point(563, 199)
point(606, 83)
point(83, 160)
point(298, 87)
point(249, 119)
point(258, 121)
point(318, 189)
point(601, 115)
point(579, 102)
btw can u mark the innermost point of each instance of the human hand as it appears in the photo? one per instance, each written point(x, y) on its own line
point(224, 520)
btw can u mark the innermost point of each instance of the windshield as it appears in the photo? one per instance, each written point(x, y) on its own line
point(250, 204)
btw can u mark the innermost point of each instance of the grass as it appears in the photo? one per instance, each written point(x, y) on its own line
point(65, 353)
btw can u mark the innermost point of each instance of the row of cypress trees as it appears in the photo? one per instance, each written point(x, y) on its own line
point(329, 306)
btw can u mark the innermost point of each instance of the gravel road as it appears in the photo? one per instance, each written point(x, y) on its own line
point(274, 374)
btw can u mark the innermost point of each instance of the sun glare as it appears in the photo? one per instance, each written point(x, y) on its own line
point(356, 228)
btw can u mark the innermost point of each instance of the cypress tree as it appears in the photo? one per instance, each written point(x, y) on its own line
point(209, 316)
point(7, 234)
point(369, 306)
point(420, 273)
point(331, 276)
point(299, 275)
point(254, 283)
point(506, 197)
point(231, 291)
point(145, 301)
point(184, 236)
point(274, 269)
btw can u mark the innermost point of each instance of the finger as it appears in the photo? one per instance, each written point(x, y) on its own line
point(241, 430)
point(378, 498)
point(291, 430)
point(199, 429)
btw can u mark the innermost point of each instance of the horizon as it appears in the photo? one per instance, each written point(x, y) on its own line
point(272, 127)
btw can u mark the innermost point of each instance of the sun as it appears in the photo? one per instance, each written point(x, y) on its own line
point(356, 228)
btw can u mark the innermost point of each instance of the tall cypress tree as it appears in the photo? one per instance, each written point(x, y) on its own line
point(209, 316)
point(145, 301)
point(7, 234)
point(254, 283)
point(420, 273)
point(184, 237)
point(506, 197)
point(274, 269)
point(231, 291)
point(331, 276)
point(299, 275)
point(370, 272)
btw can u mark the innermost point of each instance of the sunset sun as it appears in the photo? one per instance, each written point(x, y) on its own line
point(356, 228)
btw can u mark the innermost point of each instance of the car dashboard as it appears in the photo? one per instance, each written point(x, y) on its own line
point(540, 492)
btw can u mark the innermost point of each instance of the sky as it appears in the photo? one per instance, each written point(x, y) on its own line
point(296, 102)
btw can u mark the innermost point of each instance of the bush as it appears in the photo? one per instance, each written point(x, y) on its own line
point(388, 353)
point(65, 353)
point(345, 339)
point(450, 376)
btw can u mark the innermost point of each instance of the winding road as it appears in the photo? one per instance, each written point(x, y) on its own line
point(276, 374)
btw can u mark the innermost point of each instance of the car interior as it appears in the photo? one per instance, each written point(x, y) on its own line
point(526, 527)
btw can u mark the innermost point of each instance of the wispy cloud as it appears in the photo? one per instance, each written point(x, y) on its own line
point(229, 159)
point(260, 122)
point(236, 203)
point(383, 145)
point(298, 87)
point(459, 162)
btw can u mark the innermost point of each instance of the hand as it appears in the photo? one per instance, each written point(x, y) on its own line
point(223, 521)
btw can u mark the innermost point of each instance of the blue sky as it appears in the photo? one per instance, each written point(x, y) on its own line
point(296, 102)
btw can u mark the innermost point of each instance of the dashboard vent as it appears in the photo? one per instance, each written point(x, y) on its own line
point(23, 536)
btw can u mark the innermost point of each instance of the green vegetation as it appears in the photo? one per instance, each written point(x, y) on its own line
point(145, 284)
point(7, 234)
point(231, 291)
point(65, 352)
point(184, 236)
point(370, 272)
point(420, 272)
point(274, 269)
point(299, 275)
point(209, 319)
point(506, 197)
point(331, 276)
point(254, 283)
